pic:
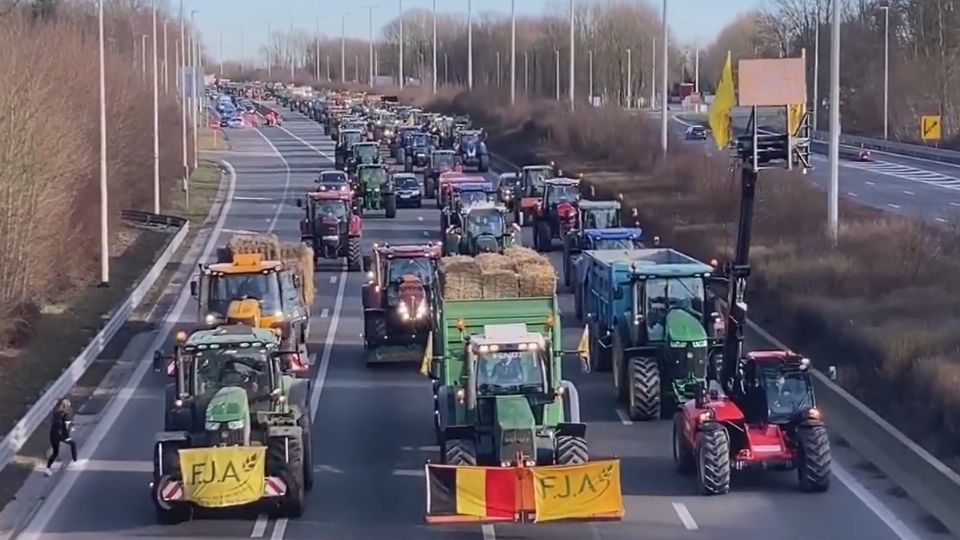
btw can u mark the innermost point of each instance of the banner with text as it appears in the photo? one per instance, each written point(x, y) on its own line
point(588, 491)
point(223, 477)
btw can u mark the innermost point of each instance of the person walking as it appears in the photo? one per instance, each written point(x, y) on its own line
point(61, 425)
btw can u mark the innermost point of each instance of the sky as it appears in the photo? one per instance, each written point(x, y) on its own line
point(690, 20)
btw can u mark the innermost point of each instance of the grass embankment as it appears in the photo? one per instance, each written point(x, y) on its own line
point(882, 306)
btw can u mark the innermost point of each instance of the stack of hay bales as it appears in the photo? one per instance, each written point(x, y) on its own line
point(295, 256)
point(520, 272)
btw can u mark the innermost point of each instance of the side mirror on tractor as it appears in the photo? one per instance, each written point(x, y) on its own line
point(435, 369)
point(193, 288)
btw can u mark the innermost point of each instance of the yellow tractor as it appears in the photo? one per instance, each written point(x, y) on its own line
point(262, 283)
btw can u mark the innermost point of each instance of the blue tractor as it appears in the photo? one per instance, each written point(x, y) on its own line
point(620, 238)
point(473, 150)
point(594, 215)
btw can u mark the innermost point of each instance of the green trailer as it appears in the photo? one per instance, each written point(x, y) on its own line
point(499, 394)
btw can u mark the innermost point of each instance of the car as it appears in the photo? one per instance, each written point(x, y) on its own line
point(407, 188)
point(332, 180)
point(235, 121)
point(696, 133)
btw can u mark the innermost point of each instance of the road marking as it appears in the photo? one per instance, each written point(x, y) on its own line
point(324, 313)
point(286, 182)
point(279, 529)
point(905, 192)
point(252, 199)
point(408, 472)
point(419, 218)
point(35, 528)
point(852, 194)
point(310, 146)
point(891, 205)
point(488, 532)
point(259, 527)
point(869, 183)
point(238, 231)
point(685, 516)
point(954, 204)
point(941, 220)
point(624, 418)
point(333, 279)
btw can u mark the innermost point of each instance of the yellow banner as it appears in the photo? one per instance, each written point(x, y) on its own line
point(223, 477)
point(584, 491)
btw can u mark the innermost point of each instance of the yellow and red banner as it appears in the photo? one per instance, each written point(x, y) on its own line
point(221, 477)
point(588, 491)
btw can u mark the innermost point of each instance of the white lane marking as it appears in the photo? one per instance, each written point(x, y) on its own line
point(488, 532)
point(685, 516)
point(408, 472)
point(852, 194)
point(954, 204)
point(238, 231)
point(895, 524)
point(419, 218)
point(307, 143)
point(279, 529)
point(324, 313)
point(869, 183)
point(905, 192)
point(941, 220)
point(624, 418)
point(106, 465)
point(904, 172)
point(35, 528)
point(333, 279)
point(252, 199)
point(286, 182)
point(328, 347)
point(259, 527)
point(891, 205)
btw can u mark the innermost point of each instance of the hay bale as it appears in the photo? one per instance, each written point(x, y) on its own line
point(494, 261)
point(299, 259)
point(521, 257)
point(460, 278)
point(500, 283)
point(267, 245)
point(537, 280)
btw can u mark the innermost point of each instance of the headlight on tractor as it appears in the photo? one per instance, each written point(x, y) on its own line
point(422, 310)
point(236, 424)
point(213, 426)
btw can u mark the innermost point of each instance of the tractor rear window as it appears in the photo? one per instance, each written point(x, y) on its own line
point(468, 198)
point(442, 159)
point(559, 194)
point(366, 151)
point(601, 218)
point(351, 138)
point(229, 287)
point(617, 243)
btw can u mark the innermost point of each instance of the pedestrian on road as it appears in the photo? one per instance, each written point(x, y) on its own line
point(61, 425)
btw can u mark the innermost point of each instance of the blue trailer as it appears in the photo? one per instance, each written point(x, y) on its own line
point(596, 239)
point(651, 322)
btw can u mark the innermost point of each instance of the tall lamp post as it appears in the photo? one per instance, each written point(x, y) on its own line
point(104, 202)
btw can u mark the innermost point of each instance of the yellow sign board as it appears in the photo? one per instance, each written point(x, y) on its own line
point(591, 490)
point(223, 477)
point(930, 128)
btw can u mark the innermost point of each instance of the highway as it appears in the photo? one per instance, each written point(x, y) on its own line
point(373, 426)
point(904, 185)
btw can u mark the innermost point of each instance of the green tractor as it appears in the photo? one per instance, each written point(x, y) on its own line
point(484, 230)
point(229, 390)
point(499, 395)
point(374, 186)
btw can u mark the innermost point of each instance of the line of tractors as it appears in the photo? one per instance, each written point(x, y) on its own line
point(654, 319)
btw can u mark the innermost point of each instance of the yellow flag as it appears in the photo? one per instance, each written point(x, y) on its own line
point(583, 349)
point(427, 356)
point(722, 106)
point(591, 490)
point(220, 477)
point(795, 114)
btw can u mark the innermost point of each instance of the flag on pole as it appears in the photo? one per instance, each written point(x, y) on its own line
point(427, 356)
point(722, 106)
point(583, 349)
point(795, 114)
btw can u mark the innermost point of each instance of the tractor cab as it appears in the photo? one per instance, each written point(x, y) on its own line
point(608, 239)
point(366, 153)
point(442, 161)
point(507, 184)
point(375, 187)
point(483, 228)
point(462, 197)
point(345, 141)
point(529, 190)
point(599, 214)
point(557, 215)
point(776, 387)
point(449, 179)
point(330, 225)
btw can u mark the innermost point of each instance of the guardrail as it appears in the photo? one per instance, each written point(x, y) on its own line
point(929, 481)
point(39, 412)
point(149, 220)
point(902, 149)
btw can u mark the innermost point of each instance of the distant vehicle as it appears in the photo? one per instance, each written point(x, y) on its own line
point(235, 122)
point(332, 180)
point(407, 187)
point(696, 133)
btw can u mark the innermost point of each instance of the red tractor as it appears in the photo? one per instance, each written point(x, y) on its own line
point(332, 227)
point(274, 119)
point(556, 215)
point(398, 301)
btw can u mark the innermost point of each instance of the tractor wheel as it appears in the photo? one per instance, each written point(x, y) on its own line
point(713, 461)
point(407, 164)
point(682, 453)
point(571, 450)
point(542, 234)
point(484, 163)
point(374, 329)
point(566, 268)
point(644, 377)
point(621, 387)
point(176, 514)
point(460, 452)
point(354, 258)
point(429, 187)
point(390, 206)
point(814, 468)
point(290, 471)
point(304, 423)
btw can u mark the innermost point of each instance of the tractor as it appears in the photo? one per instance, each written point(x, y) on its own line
point(483, 229)
point(331, 227)
point(375, 189)
point(345, 141)
point(229, 391)
point(399, 299)
point(593, 215)
point(453, 178)
point(440, 162)
point(462, 197)
point(529, 191)
point(599, 240)
point(416, 151)
point(362, 153)
point(507, 184)
point(557, 215)
point(472, 150)
point(400, 140)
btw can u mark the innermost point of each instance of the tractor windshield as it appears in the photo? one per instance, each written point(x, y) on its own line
point(534, 180)
point(351, 138)
point(441, 160)
point(788, 392)
point(509, 372)
point(472, 197)
point(373, 176)
point(601, 218)
point(366, 152)
point(612, 243)
point(485, 221)
point(563, 193)
point(409, 267)
point(334, 208)
point(241, 367)
point(226, 288)
point(469, 138)
point(418, 139)
point(663, 295)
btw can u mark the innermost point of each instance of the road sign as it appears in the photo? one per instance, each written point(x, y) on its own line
point(930, 128)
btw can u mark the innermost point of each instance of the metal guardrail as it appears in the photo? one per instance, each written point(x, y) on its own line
point(149, 220)
point(902, 149)
point(929, 481)
point(39, 412)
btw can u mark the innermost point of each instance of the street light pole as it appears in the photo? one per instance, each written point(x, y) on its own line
point(434, 47)
point(833, 210)
point(166, 67)
point(194, 90)
point(343, 49)
point(269, 52)
point(317, 44)
point(573, 57)
point(696, 70)
point(653, 74)
point(664, 136)
point(590, 75)
point(400, 70)
point(470, 44)
point(242, 66)
point(143, 57)
point(156, 117)
point(629, 78)
point(370, 43)
point(886, 70)
point(526, 73)
point(556, 54)
point(104, 202)
point(293, 60)
point(182, 84)
point(513, 52)
point(816, 72)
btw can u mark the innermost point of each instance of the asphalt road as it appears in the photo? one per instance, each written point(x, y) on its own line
point(904, 185)
point(373, 426)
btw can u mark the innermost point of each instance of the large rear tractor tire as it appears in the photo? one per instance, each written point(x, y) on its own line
point(374, 329)
point(683, 458)
point(484, 165)
point(571, 450)
point(354, 255)
point(543, 241)
point(713, 461)
point(644, 377)
point(460, 452)
point(176, 514)
point(304, 423)
point(814, 468)
point(390, 206)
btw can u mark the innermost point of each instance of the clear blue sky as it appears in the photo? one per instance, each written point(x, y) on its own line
point(689, 19)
